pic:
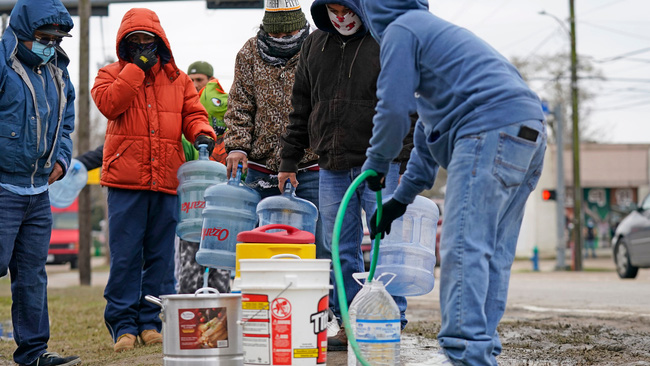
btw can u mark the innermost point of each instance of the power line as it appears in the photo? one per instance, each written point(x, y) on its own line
point(614, 30)
point(624, 55)
point(602, 6)
point(644, 103)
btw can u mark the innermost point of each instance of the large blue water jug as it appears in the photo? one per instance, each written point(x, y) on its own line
point(194, 177)
point(409, 251)
point(63, 192)
point(229, 210)
point(289, 210)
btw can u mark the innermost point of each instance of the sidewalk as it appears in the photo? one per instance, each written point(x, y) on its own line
point(60, 275)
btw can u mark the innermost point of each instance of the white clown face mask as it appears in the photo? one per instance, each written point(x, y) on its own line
point(347, 24)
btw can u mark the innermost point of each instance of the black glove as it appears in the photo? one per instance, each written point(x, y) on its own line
point(376, 182)
point(145, 59)
point(392, 210)
point(204, 140)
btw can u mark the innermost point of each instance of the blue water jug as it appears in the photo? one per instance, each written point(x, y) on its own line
point(409, 251)
point(289, 210)
point(194, 177)
point(229, 210)
point(63, 192)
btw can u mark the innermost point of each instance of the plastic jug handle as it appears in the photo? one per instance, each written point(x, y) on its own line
point(280, 256)
point(207, 290)
point(360, 276)
point(288, 187)
point(289, 229)
point(384, 274)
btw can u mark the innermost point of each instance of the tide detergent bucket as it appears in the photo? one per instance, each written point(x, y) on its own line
point(229, 210)
point(284, 310)
point(289, 210)
point(409, 251)
point(193, 179)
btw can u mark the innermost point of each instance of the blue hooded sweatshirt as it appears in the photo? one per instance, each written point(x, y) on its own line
point(36, 101)
point(458, 84)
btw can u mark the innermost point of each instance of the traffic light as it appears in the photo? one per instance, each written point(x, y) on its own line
point(548, 195)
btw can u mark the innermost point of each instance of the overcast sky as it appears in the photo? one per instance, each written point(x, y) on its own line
point(614, 34)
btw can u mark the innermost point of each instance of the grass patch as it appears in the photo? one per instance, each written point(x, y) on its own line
point(77, 328)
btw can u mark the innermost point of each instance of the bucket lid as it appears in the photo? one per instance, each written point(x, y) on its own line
point(289, 235)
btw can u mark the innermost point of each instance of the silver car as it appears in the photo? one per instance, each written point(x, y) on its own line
point(631, 241)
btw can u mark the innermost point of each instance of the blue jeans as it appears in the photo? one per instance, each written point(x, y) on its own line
point(141, 227)
point(307, 189)
point(333, 185)
point(25, 228)
point(490, 177)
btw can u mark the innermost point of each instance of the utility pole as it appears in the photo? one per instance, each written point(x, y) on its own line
point(559, 190)
point(577, 186)
point(83, 141)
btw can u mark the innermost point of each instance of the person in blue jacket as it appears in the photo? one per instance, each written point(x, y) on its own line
point(37, 118)
point(479, 120)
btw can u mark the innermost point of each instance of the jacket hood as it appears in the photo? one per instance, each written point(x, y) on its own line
point(322, 20)
point(27, 15)
point(380, 13)
point(146, 20)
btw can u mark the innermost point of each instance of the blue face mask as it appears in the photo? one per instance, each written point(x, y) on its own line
point(45, 52)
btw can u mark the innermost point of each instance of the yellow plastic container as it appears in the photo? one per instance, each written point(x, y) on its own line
point(261, 244)
point(268, 250)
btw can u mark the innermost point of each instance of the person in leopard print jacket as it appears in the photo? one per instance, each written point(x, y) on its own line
point(260, 102)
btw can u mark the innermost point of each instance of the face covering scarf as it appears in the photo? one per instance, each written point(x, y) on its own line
point(346, 25)
point(278, 51)
point(45, 52)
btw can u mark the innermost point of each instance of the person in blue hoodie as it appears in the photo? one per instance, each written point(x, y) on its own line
point(37, 114)
point(482, 123)
point(333, 100)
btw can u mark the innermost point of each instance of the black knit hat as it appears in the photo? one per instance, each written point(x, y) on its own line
point(283, 16)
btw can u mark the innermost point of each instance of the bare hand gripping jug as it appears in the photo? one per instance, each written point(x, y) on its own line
point(229, 210)
point(288, 209)
point(194, 177)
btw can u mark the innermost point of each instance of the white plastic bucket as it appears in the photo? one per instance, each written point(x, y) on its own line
point(284, 310)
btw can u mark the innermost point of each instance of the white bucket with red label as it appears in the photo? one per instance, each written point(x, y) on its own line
point(284, 310)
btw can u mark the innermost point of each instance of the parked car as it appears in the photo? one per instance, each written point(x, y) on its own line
point(366, 243)
point(64, 242)
point(631, 241)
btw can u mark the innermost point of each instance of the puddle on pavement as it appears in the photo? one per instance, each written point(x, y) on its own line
point(413, 349)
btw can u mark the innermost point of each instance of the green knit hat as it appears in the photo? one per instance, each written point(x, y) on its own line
point(283, 16)
point(200, 67)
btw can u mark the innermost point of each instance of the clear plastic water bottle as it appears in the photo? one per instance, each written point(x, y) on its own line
point(288, 209)
point(63, 192)
point(229, 210)
point(194, 177)
point(375, 319)
point(7, 330)
point(409, 251)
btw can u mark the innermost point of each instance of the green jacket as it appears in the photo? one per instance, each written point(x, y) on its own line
point(215, 101)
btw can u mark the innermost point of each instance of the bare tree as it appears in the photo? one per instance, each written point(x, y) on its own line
point(549, 76)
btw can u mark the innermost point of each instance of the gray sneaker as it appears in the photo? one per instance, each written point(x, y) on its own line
point(53, 359)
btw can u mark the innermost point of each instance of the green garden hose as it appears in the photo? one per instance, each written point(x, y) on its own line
point(336, 260)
